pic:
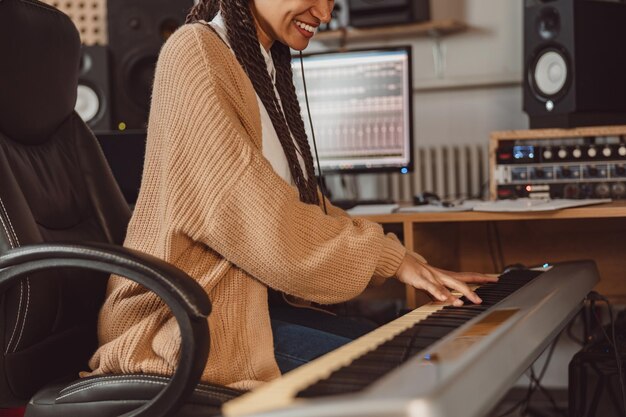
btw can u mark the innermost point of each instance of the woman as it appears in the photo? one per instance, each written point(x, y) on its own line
point(229, 196)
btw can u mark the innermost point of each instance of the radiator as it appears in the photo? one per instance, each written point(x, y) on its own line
point(452, 172)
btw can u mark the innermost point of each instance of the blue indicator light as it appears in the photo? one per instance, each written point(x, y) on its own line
point(546, 265)
point(524, 152)
point(404, 170)
point(427, 356)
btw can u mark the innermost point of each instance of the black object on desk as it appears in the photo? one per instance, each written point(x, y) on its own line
point(425, 198)
point(348, 204)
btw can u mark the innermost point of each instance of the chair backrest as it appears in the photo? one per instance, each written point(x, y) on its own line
point(55, 186)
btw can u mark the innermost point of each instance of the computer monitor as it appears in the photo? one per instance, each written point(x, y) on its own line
point(361, 106)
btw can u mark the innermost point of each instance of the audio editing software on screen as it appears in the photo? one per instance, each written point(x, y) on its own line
point(361, 108)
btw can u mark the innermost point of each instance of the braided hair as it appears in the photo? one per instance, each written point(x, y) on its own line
point(242, 35)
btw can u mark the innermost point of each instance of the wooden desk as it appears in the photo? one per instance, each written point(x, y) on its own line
point(485, 242)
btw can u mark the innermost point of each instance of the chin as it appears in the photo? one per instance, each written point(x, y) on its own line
point(297, 43)
point(298, 46)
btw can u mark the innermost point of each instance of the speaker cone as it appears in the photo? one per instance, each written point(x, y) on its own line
point(87, 103)
point(85, 63)
point(138, 78)
point(550, 73)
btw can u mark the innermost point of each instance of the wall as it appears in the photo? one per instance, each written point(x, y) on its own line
point(489, 52)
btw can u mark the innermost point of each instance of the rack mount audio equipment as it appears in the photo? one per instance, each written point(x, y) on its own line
point(559, 163)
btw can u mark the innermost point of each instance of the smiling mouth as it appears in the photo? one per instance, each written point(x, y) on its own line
point(307, 27)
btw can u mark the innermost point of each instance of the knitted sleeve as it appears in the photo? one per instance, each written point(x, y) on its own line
point(224, 193)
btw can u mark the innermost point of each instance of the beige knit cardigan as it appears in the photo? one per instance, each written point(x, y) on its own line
point(211, 204)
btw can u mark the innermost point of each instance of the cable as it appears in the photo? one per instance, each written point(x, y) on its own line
point(317, 158)
point(536, 379)
point(547, 394)
point(514, 407)
point(496, 231)
point(535, 382)
point(495, 247)
point(492, 251)
point(595, 296)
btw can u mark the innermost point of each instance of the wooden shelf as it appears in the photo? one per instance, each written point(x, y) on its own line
point(615, 209)
point(433, 28)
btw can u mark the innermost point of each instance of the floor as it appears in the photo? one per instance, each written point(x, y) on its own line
point(541, 403)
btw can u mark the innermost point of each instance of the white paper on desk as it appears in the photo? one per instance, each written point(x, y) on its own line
point(533, 204)
point(365, 209)
point(438, 208)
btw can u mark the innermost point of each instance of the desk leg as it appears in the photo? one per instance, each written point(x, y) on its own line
point(438, 242)
point(411, 293)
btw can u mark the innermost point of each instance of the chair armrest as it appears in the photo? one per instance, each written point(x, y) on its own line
point(181, 293)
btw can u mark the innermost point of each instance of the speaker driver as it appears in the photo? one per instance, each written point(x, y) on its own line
point(86, 63)
point(139, 75)
point(87, 103)
point(93, 98)
point(550, 73)
point(137, 30)
point(549, 23)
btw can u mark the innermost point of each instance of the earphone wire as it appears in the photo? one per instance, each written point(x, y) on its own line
point(320, 177)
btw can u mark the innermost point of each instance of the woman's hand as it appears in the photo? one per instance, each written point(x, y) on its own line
point(438, 282)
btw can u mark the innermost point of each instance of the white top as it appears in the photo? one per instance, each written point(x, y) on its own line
point(272, 148)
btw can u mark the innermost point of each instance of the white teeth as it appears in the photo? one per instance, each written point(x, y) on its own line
point(304, 26)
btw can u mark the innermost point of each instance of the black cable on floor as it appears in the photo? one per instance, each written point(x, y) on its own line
point(548, 395)
point(595, 296)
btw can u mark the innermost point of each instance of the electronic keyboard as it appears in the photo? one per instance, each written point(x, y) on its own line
point(437, 360)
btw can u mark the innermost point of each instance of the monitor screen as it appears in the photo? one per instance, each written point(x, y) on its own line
point(361, 106)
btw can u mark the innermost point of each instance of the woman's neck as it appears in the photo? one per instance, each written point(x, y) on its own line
point(264, 38)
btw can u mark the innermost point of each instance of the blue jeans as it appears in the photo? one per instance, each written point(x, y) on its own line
point(301, 335)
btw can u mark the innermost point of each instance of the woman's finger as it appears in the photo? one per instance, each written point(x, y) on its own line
point(462, 288)
point(472, 277)
point(437, 290)
point(434, 276)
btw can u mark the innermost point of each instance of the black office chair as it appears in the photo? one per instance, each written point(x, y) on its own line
point(55, 186)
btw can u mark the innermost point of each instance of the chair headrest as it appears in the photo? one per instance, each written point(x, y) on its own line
point(40, 55)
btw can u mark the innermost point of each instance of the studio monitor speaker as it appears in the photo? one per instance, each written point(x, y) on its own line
point(137, 30)
point(575, 62)
point(93, 101)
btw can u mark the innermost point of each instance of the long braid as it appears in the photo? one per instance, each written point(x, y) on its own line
point(291, 106)
point(203, 10)
point(244, 41)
